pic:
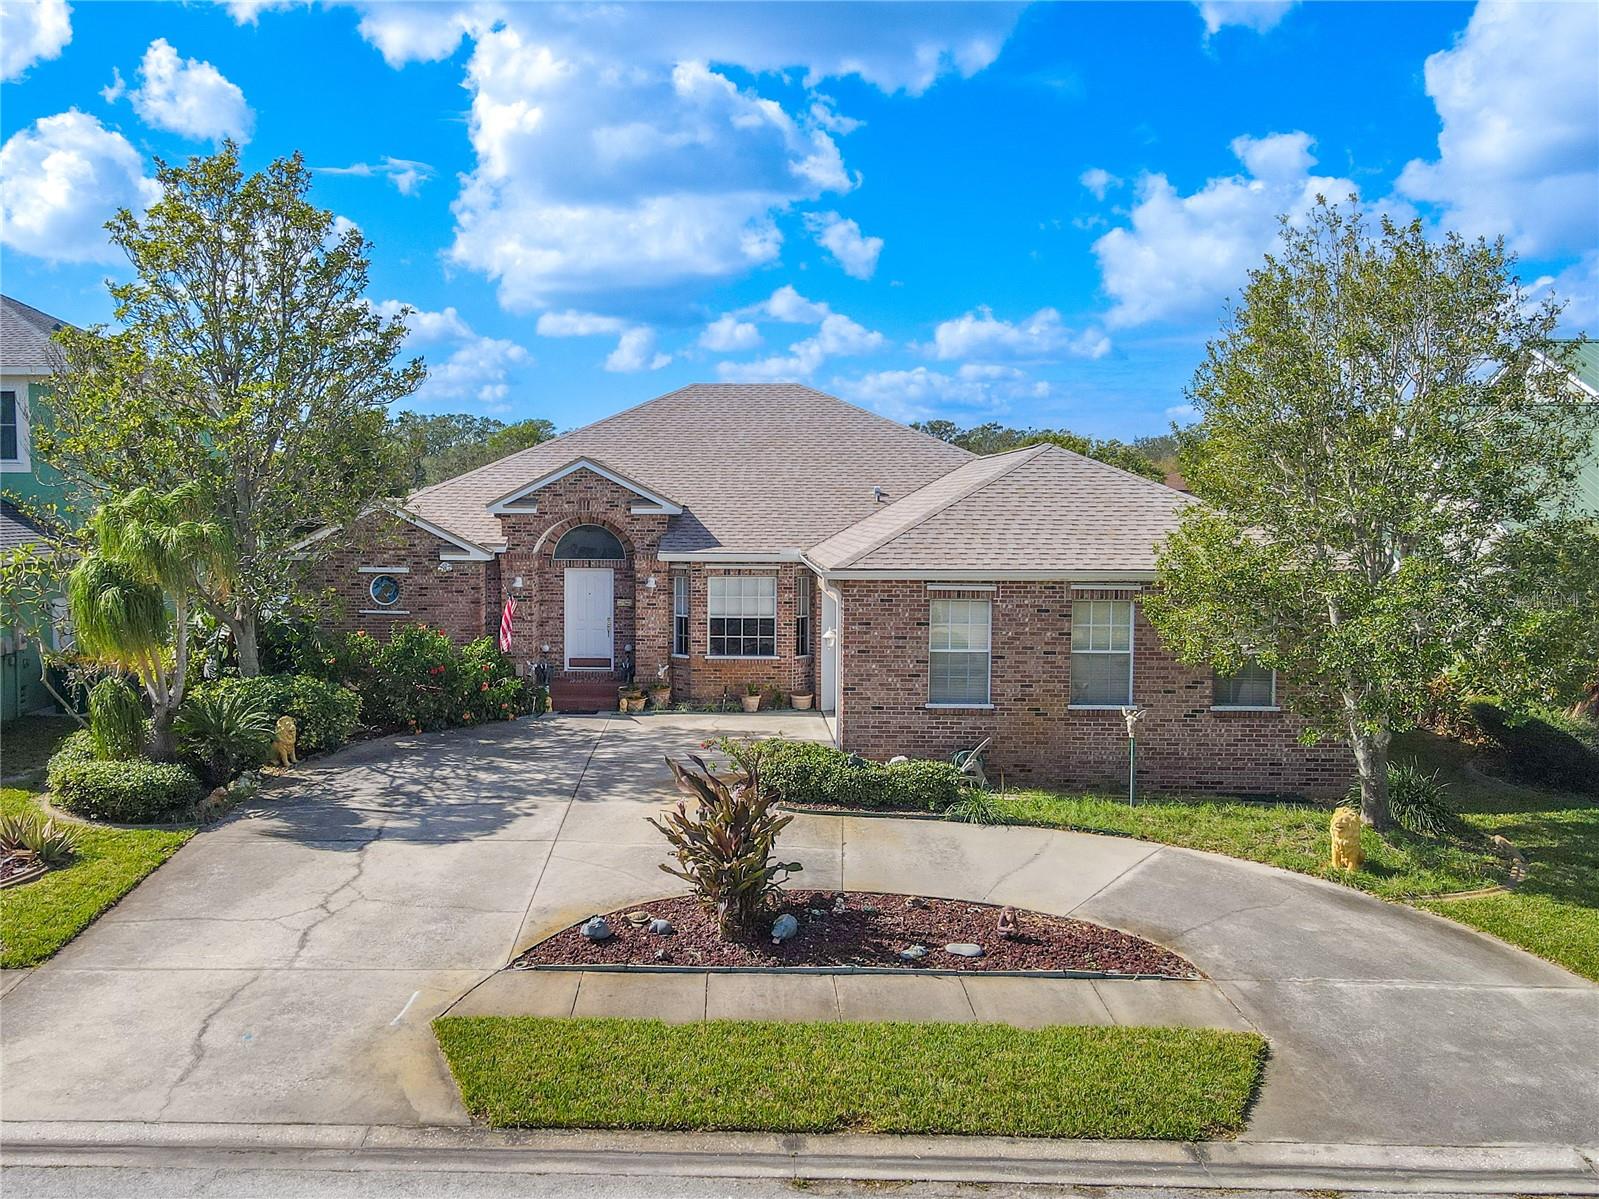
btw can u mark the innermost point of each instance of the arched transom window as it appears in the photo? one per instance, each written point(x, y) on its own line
point(588, 541)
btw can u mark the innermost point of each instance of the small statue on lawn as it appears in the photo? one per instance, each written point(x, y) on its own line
point(1007, 922)
point(1347, 853)
point(283, 742)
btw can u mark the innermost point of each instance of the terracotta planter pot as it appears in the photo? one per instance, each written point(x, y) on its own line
point(802, 702)
point(752, 703)
point(635, 703)
point(660, 696)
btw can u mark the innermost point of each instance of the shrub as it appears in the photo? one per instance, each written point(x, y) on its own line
point(724, 846)
point(423, 680)
point(975, 806)
point(116, 720)
point(324, 714)
point(1418, 802)
point(131, 790)
point(33, 832)
point(806, 772)
point(1532, 749)
point(226, 729)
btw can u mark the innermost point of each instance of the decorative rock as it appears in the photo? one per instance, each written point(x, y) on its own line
point(638, 919)
point(869, 910)
point(661, 955)
point(964, 949)
point(783, 928)
point(839, 906)
point(915, 901)
point(595, 929)
point(897, 759)
point(662, 927)
point(914, 954)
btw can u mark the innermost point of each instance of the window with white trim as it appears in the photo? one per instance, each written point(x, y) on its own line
point(1102, 653)
point(958, 641)
point(680, 615)
point(1254, 686)
point(742, 616)
point(10, 428)
point(802, 616)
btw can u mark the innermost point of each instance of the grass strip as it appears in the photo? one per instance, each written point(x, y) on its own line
point(766, 1076)
point(38, 918)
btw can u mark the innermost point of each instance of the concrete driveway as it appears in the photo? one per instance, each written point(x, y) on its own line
point(283, 967)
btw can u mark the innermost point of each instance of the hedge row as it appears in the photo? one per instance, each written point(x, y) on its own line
point(124, 790)
point(805, 772)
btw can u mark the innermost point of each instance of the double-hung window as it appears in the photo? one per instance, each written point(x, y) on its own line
point(1102, 653)
point(958, 652)
point(1254, 686)
point(802, 616)
point(680, 615)
point(10, 428)
point(743, 616)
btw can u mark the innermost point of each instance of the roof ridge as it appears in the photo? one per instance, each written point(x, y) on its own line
point(1127, 474)
point(887, 420)
point(1023, 455)
point(39, 312)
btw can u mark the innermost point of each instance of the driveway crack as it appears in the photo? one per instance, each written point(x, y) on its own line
point(197, 1044)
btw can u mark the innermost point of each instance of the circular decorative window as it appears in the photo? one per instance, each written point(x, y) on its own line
point(384, 590)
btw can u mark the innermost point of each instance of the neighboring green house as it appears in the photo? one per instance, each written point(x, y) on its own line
point(26, 363)
point(1582, 368)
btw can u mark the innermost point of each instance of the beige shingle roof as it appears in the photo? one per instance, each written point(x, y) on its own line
point(756, 467)
point(1037, 509)
point(25, 345)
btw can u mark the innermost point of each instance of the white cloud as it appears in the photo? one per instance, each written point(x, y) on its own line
point(836, 336)
point(727, 334)
point(1518, 152)
point(32, 31)
point(613, 160)
point(921, 392)
point(1183, 413)
point(842, 239)
point(1577, 287)
point(1259, 15)
point(248, 12)
point(1099, 181)
point(634, 344)
point(406, 174)
point(65, 177)
point(189, 97)
point(979, 334)
point(1182, 254)
point(464, 367)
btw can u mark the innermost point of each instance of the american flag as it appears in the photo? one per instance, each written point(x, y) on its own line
point(505, 624)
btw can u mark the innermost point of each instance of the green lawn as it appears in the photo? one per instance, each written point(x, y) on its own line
point(1553, 913)
point(758, 1076)
point(38, 918)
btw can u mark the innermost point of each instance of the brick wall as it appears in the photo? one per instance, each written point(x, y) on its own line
point(705, 680)
point(452, 599)
point(1184, 745)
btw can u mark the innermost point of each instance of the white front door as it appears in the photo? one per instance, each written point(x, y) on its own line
point(827, 699)
point(589, 594)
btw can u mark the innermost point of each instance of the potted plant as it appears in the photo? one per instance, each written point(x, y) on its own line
point(751, 697)
point(629, 698)
point(802, 701)
point(660, 693)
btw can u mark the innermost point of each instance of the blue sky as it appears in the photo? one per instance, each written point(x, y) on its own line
point(1025, 214)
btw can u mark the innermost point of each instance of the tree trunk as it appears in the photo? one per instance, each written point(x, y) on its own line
point(246, 629)
point(1371, 758)
point(163, 742)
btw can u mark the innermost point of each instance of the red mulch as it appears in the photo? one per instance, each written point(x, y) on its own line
point(13, 864)
point(871, 931)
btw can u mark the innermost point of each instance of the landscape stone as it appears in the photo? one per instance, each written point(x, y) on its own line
point(964, 949)
point(914, 954)
point(595, 929)
point(784, 927)
point(662, 927)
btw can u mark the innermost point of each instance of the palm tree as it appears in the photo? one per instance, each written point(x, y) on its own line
point(132, 596)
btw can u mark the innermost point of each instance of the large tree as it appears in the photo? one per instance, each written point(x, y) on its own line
point(1383, 453)
point(248, 361)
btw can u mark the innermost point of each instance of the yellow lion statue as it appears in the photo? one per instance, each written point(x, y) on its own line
point(1346, 851)
point(283, 742)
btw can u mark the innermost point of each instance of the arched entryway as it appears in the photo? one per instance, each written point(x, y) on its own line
point(586, 554)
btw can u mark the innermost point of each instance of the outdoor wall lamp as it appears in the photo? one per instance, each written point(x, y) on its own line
point(649, 583)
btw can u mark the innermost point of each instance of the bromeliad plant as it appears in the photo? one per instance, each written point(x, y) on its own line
point(724, 845)
point(33, 834)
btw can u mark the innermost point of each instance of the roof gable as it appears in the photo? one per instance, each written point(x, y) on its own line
point(25, 345)
point(1039, 511)
point(521, 499)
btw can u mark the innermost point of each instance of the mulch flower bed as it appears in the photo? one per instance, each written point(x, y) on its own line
point(18, 868)
point(871, 930)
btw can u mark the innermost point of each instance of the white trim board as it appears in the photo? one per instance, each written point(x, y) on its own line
point(470, 551)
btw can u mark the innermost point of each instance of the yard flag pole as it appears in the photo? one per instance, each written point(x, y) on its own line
point(505, 624)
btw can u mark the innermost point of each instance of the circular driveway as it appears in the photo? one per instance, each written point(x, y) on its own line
point(283, 967)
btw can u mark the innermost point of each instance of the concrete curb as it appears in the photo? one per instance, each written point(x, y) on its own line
point(1247, 1165)
point(780, 971)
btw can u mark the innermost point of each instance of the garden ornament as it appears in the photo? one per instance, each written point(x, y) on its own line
point(1007, 922)
point(283, 742)
point(595, 929)
point(784, 927)
point(1132, 716)
point(1347, 853)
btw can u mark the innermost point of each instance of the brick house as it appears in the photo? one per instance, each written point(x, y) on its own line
point(728, 534)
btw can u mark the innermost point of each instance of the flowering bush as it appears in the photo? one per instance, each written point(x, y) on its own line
point(422, 680)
